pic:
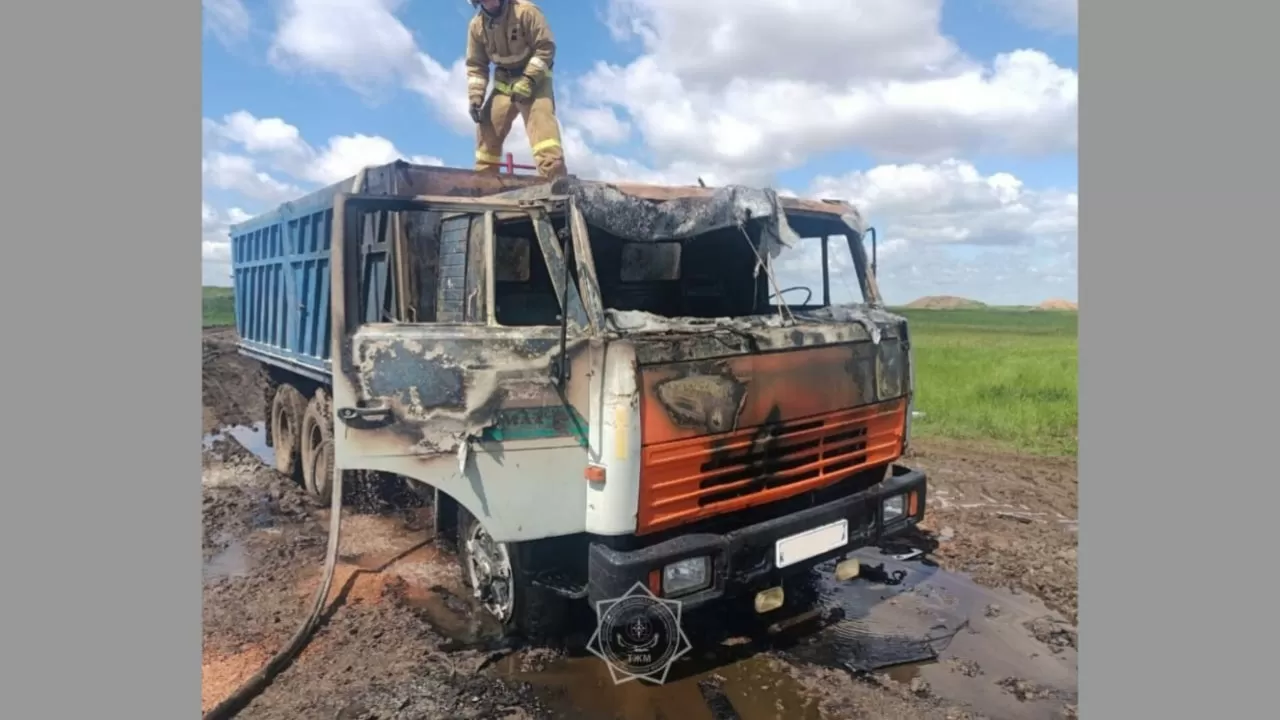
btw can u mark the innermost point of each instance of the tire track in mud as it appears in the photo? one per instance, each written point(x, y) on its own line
point(1008, 520)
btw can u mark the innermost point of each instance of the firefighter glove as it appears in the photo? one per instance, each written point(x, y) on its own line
point(522, 88)
point(475, 112)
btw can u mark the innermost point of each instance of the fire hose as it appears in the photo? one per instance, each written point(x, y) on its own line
point(236, 702)
point(243, 695)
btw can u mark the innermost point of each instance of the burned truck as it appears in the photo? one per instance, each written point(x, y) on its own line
point(599, 385)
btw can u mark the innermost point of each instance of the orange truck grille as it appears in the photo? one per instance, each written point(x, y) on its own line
point(689, 479)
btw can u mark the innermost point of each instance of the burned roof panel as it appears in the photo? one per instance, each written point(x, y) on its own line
point(657, 213)
point(665, 193)
point(669, 210)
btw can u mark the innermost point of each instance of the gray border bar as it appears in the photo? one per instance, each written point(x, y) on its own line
point(101, 611)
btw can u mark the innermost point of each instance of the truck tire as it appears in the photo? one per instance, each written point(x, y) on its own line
point(287, 408)
point(519, 606)
point(317, 446)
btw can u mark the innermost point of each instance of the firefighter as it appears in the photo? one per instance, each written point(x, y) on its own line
point(514, 37)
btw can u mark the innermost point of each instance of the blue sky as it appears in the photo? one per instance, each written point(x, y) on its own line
point(951, 123)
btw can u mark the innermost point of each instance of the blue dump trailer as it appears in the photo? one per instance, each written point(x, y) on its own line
point(600, 386)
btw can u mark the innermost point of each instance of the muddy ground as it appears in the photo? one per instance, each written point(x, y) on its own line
point(995, 576)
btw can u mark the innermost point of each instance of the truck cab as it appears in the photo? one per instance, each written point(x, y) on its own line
point(604, 385)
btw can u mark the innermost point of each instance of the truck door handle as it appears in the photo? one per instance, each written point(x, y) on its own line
point(366, 418)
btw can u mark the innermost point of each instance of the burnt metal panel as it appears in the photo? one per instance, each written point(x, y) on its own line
point(477, 263)
point(451, 302)
point(444, 385)
point(406, 179)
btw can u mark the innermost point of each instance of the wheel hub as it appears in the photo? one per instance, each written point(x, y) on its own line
point(490, 571)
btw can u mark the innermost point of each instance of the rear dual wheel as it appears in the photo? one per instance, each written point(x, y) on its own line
point(302, 435)
point(287, 408)
point(316, 451)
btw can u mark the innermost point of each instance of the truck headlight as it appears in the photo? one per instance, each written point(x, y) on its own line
point(686, 575)
point(894, 508)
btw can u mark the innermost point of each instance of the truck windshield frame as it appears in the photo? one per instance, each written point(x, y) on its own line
point(556, 221)
point(734, 254)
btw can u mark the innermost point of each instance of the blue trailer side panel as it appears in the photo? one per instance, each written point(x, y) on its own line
point(281, 275)
point(280, 269)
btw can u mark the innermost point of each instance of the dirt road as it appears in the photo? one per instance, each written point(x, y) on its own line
point(402, 640)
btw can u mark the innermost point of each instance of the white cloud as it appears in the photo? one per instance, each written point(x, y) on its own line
point(244, 154)
point(261, 135)
point(775, 103)
point(344, 156)
point(228, 20)
point(602, 124)
point(360, 41)
point(215, 246)
point(240, 174)
point(445, 88)
point(364, 45)
point(824, 42)
point(282, 146)
point(1059, 16)
point(948, 229)
point(953, 203)
point(997, 276)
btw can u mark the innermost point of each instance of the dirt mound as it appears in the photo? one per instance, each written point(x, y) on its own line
point(232, 383)
point(945, 302)
point(1057, 304)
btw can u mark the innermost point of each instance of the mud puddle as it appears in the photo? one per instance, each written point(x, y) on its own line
point(232, 561)
point(752, 689)
point(938, 634)
point(252, 437)
point(985, 653)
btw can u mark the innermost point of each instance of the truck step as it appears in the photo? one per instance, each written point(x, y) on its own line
point(561, 585)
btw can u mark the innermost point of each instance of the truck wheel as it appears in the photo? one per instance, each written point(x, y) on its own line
point(317, 447)
point(495, 573)
point(287, 408)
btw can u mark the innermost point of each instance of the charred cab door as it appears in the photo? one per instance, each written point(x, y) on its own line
point(428, 381)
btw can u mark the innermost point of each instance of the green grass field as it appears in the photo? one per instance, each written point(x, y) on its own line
point(1007, 376)
point(219, 307)
point(1001, 375)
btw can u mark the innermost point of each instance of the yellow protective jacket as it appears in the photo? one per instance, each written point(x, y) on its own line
point(517, 42)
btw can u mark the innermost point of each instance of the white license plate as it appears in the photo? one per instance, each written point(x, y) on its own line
point(811, 543)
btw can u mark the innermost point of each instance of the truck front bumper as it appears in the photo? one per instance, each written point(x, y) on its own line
point(744, 560)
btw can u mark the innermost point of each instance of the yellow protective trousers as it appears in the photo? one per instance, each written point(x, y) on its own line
point(497, 116)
